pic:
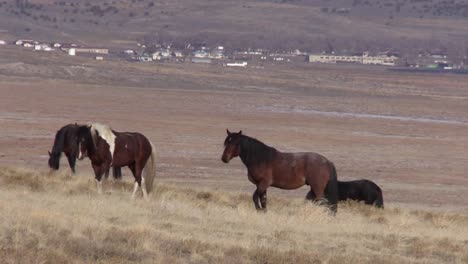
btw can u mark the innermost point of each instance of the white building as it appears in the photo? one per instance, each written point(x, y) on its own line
point(379, 60)
point(200, 54)
point(332, 58)
point(364, 59)
point(161, 54)
point(237, 64)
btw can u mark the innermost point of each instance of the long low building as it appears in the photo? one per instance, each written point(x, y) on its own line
point(364, 59)
point(88, 50)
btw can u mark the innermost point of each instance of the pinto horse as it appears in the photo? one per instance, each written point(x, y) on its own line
point(267, 167)
point(361, 190)
point(66, 141)
point(106, 147)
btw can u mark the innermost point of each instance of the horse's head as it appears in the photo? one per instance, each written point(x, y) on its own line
point(54, 160)
point(231, 146)
point(85, 142)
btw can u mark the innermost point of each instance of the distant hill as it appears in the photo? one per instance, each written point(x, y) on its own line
point(408, 26)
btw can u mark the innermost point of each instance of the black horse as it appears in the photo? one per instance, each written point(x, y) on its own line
point(66, 141)
point(361, 190)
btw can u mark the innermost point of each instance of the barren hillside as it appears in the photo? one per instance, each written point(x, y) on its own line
point(406, 26)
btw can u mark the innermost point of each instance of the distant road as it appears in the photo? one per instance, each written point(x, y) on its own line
point(429, 70)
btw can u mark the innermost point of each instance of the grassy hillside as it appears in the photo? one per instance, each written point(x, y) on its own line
point(313, 25)
point(59, 218)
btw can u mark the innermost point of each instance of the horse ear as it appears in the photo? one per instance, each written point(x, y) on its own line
point(240, 132)
point(50, 154)
point(227, 131)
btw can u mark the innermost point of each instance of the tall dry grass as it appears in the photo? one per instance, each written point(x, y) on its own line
point(59, 218)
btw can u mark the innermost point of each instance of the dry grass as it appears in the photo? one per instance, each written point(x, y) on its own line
point(59, 218)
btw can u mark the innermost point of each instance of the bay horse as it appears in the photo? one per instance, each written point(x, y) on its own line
point(106, 147)
point(66, 141)
point(267, 167)
point(361, 190)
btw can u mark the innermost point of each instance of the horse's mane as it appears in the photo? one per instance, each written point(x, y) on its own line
point(105, 132)
point(253, 151)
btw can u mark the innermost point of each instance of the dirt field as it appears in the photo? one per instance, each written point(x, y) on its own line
point(408, 133)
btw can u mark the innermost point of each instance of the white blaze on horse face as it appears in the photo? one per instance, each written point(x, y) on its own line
point(105, 132)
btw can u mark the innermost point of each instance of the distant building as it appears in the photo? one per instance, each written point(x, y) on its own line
point(162, 54)
point(87, 50)
point(57, 45)
point(332, 58)
point(201, 60)
point(379, 60)
point(2, 42)
point(218, 53)
point(363, 59)
point(178, 54)
point(43, 47)
point(21, 42)
point(93, 50)
point(100, 58)
point(72, 51)
point(200, 54)
point(237, 64)
point(144, 58)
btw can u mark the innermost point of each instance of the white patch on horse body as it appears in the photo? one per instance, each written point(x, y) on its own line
point(105, 132)
point(80, 154)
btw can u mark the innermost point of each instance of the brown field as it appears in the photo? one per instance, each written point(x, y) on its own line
point(408, 133)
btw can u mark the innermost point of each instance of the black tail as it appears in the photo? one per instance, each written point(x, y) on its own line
point(331, 192)
point(59, 142)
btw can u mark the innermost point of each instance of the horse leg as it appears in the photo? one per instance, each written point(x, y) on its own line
point(262, 194)
point(71, 161)
point(98, 171)
point(135, 186)
point(139, 180)
point(318, 194)
point(117, 173)
point(310, 195)
point(255, 198)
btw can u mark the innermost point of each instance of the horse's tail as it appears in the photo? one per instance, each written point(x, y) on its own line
point(150, 169)
point(332, 189)
point(57, 148)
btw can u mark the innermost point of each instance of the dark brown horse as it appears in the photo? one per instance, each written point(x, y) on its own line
point(267, 167)
point(66, 141)
point(106, 148)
